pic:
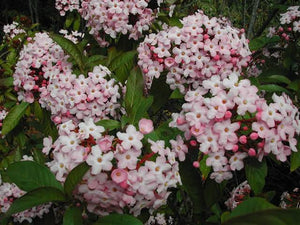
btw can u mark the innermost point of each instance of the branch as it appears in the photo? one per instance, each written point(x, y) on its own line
point(253, 18)
point(269, 19)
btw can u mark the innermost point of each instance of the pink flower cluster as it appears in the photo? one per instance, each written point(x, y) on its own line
point(238, 195)
point(230, 122)
point(43, 73)
point(70, 97)
point(66, 5)
point(11, 30)
point(291, 18)
point(203, 47)
point(40, 60)
point(113, 17)
point(123, 173)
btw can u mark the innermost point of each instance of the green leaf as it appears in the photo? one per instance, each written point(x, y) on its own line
point(266, 217)
point(274, 79)
point(272, 88)
point(122, 65)
point(70, 48)
point(204, 169)
point(118, 219)
point(256, 172)
point(94, 60)
point(29, 175)
point(260, 42)
point(161, 92)
point(112, 54)
point(73, 216)
point(295, 158)
point(213, 192)
point(140, 109)
point(250, 205)
point(109, 124)
point(192, 184)
point(34, 198)
point(7, 82)
point(74, 177)
point(37, 110)
point(13, 117)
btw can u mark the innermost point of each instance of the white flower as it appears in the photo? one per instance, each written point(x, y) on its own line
point(132, 138)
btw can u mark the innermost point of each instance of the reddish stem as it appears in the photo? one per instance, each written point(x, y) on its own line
point(144, 159)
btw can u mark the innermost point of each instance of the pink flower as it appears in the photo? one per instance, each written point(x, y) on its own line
point(145, 126)
point(119, 175)
point(132, 138)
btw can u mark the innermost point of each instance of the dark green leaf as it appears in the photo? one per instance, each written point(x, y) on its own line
point(250, 205)
point(34, 198)
point(122, 65)
point(29, 175)
point(109, 124)
point(213, 192)
point(13, 117)
point(73, 216)
point(134, 89)
point(7, 82)
point(204, 169)
point(94, 60)
point(295, 158)
point(118, 219)
point(192, 184)
point(37, 110)
point(161, 92)
point(256, 172)
point(74, 177)
point(140, 109)
point(70, 48)
point(272, 88)
point(112, 54)
point(266, 217)
point(274, 79)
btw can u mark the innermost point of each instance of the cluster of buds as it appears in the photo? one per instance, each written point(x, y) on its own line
point(290, 200)
point(3, 114)
point(203, 47)
point(124, 171)
point(229, 122)
point(238, 195)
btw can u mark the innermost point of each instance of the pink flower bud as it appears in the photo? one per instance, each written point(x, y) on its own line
point(145, 70)
point(145, 126)
point(193, 143)
point(242, 30)
point(232, 51)
point(196, 164)
point(29, 39)
point(280, 29)
point(261, 144)
point(287, 38)
point(251, 152)
point(1, 124)
point(245, 128)
point(289, 29)
point(205, 36)
point(258, 115)
point(235, 148)
point(243, 139)
point(160, 60)
point(253, 136)
point(57, 120)
point(180, 121)
point(217, 57)
point(228, 115)
point(36, 78)
point(152, 48)
point(124, 184)
point(283, 35)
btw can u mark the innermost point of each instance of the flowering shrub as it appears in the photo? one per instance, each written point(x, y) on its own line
point(162, 128)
